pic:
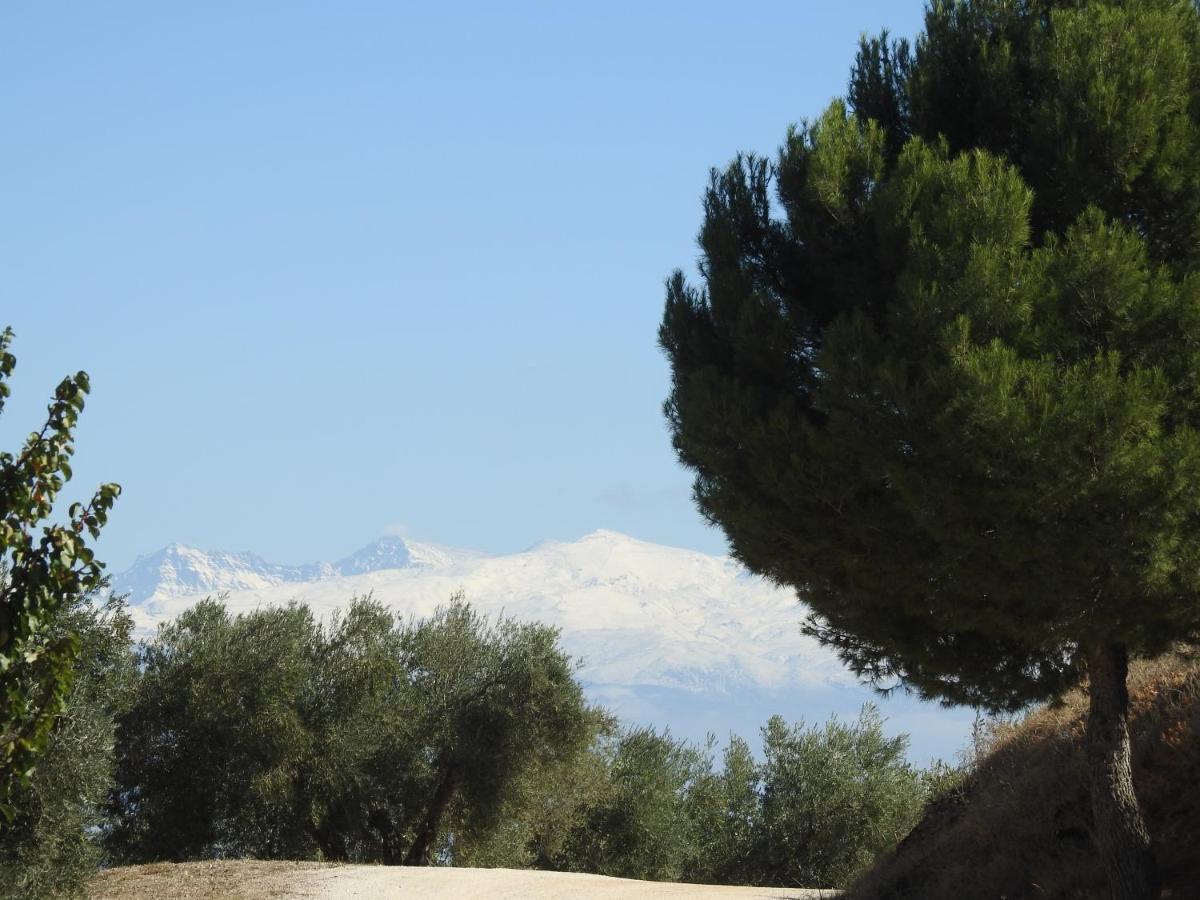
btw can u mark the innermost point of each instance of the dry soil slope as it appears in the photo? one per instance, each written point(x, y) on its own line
point(1021, 825)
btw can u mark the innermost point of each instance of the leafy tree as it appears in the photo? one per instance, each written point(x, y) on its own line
point(369, 773)
point(269, 735)
point(820, 805)
point(498, 699)
point(46, 568)
point(724, 809)
point(50, 849)
point(279, 738)
point(740, 793)
point(833, 798)
point(949, 390)
point(546, 805)
point(209, 751)
point(639, 826)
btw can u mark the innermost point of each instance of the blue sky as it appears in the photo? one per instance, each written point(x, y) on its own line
point(339, 268)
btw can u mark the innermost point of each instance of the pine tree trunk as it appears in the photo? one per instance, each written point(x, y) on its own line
point(1120, 833)
point(419, 852)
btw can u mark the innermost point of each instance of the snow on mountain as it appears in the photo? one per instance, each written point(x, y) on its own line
point(631, 612)
point(385, 553)
point(178, 571)
point(662, 635)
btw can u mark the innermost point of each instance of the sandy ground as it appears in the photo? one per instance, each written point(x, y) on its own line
point(309, 881)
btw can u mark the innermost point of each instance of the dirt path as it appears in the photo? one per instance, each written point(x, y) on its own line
point(308, 881)
point(507, 884)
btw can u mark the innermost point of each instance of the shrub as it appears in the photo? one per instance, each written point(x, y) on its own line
point(832, 799)
point(50, 847)
point(638, 827)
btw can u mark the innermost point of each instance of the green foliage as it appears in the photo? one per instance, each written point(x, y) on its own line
point(210, 751)
point(950, 391)
point(820, 805)
point(496, 700)
point(833, 799)
point(281, 738)
point(47, 568)
point(638, 827)
point(724, 811)
point(50, 849)
point(463, 741)
point(545, 806)
point(369, 776)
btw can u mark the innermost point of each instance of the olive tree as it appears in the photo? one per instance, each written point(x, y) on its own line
point(498, 699)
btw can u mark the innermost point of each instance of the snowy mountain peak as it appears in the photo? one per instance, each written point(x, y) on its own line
point(606, 534)
point(178, 570)
point(388, 552)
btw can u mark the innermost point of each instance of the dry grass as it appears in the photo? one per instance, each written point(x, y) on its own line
point(233, 879)
point(1020, 826)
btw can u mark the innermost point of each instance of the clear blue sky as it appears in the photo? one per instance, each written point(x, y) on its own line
point(336, 268)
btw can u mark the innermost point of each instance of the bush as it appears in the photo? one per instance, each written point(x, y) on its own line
point(820, 806)
point(50, 848)
point(833, 798)
point(210, 751)
point(638, 825)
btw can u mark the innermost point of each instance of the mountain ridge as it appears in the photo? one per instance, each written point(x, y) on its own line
point(634, 612)
point(662, 635)
point(178, 569)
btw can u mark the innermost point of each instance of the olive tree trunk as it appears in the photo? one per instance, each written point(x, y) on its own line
point(419, 852)
point(1120, 833)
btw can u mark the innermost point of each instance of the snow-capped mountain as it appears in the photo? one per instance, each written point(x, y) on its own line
point(631, 612)
point(180, 571)
point(661, 634)
point(385, 553)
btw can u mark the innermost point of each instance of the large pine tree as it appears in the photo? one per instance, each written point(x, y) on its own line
point(948, 387)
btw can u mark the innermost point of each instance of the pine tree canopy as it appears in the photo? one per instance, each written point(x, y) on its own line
point(943, 375)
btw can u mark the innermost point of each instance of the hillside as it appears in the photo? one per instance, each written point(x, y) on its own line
point(1019, 826)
